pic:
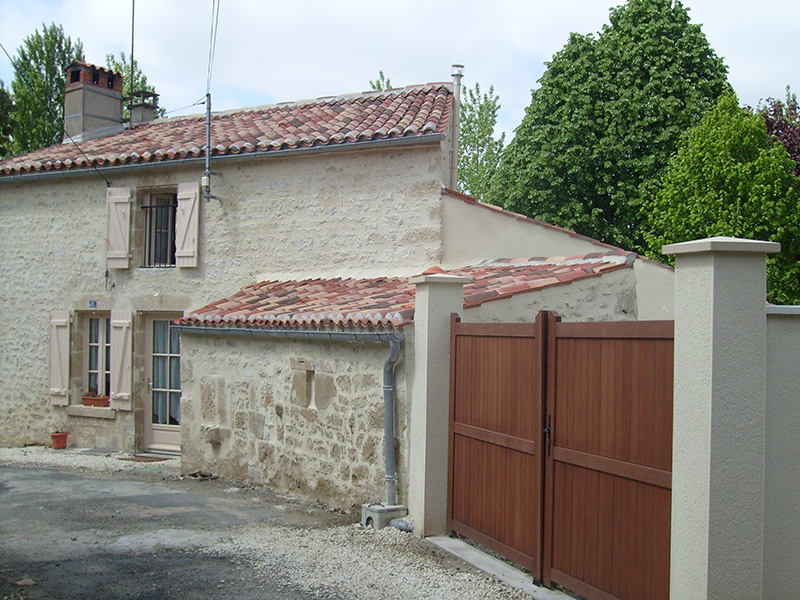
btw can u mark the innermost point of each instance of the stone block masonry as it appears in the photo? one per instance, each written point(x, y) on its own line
point(306, 418)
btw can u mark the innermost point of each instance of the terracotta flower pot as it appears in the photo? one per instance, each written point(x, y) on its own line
point(95, 400)
point(59, 440)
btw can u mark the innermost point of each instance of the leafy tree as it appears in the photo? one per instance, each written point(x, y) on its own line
point(6, 122)
point(38, 87)
point(381, 83)
point(122, 64)
point(478, 150)
point(606, 118)
point(783, 124)
point(729, 177)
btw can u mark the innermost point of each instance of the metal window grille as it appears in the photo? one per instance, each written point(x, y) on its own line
point(159, 245)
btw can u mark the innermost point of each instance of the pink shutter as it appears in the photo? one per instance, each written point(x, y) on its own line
point(187, 225)
point(59, 357)
point(121, 359)
point(118, 228)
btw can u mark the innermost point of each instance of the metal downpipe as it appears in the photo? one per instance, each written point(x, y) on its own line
point(388, 418)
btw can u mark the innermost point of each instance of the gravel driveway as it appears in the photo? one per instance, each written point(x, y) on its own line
point(77, 525)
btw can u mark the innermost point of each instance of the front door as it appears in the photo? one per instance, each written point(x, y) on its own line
point(163, 373)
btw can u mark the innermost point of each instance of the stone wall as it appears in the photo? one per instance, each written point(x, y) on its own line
point(609, 297)
point(342, 213)
point(305, 417)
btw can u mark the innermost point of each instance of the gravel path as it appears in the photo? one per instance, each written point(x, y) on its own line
point(313, 555)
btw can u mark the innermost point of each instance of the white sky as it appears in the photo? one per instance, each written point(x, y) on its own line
point(274, 51)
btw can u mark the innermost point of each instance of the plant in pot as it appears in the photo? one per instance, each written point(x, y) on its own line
point(92, 398)
point(58, 436)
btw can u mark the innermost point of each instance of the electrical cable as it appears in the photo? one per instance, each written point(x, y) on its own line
point(212, 43)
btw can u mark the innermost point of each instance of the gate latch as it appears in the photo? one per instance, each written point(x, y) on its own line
point(547, 430)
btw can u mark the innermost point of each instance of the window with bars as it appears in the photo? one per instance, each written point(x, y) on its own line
point(98, 372)
point(159, 241)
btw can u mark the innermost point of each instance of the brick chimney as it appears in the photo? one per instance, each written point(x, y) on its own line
point(92, 102)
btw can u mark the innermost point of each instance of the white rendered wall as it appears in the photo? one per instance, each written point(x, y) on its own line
point(473, 232)
point(782, 476)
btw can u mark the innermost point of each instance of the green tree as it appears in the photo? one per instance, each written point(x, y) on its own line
point(122, 64)
point(6, 120)
point(381, 83)
point(729, 177)
point(38, 87)
point(606, 118)
point(478, 150)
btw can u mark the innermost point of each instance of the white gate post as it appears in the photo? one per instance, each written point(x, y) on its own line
point(437, 297)
point(719, 419)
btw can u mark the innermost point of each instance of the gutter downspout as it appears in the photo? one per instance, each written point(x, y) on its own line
point(388, 418)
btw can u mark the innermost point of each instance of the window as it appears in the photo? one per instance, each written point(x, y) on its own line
point(98, 372)
point(166, 374)
point(105, 366)
point(165, 233)
point(159, 238)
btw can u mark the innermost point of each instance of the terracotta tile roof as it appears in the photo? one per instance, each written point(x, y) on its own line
point(413, 112)
point(389, 301)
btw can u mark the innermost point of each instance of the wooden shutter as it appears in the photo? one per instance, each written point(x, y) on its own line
point(121, 359)
point(187, 225)
point(59, 357)
point(118, 228)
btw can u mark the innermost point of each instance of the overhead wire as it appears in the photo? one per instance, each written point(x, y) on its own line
point(212, 45)
point(212, 42)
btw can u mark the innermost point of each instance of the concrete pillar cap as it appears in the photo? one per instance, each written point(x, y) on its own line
point(722, 244)
point(439, 278)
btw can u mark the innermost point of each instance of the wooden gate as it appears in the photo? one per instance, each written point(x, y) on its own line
point(495, 491)
point(585, 500)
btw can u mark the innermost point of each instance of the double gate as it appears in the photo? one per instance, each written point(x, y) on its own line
point(561, 450)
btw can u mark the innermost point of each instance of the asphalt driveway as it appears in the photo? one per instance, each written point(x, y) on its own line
point(145, 534)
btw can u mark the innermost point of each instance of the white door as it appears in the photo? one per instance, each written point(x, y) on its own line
point(163, 373)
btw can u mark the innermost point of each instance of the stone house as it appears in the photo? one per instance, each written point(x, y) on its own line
point(110, 247)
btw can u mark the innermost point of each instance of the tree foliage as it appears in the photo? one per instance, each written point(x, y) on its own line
point(381, 83)
point(783, 124)
point(38, 87)
point(729, 177)
point(6, 120)
point(606, 118)
point(478, 149)
point(122, 64)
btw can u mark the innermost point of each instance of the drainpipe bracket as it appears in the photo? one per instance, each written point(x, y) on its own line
point(379, 516)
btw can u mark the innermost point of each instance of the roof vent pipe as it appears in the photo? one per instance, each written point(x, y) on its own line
point(457, 73)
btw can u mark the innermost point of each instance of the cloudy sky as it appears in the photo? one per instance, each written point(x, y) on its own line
point(273, 51)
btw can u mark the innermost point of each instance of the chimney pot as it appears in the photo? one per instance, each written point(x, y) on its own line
point(143, 107)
